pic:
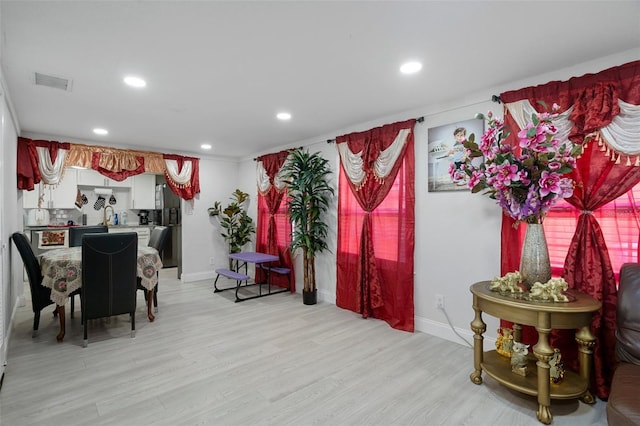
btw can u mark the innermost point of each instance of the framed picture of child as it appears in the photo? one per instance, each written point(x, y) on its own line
point(446, 151)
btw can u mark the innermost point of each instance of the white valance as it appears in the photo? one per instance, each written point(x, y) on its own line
point(182, 177)
point(623, 133)
point(522, 110)
point(262, 178)
point(352, 164)
point(388, 157)
point(51, 171)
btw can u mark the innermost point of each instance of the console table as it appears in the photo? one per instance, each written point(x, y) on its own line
point(544, 316)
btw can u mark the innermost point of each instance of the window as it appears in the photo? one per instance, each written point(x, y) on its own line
point(618, 220)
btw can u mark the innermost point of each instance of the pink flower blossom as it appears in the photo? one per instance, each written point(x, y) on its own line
point(549, 182)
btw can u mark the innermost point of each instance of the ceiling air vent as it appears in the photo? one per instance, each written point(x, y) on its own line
point(52, 81)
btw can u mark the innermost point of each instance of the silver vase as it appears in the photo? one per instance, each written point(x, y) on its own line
point(535, 265)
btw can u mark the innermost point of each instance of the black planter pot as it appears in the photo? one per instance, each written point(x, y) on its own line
point(310, 297)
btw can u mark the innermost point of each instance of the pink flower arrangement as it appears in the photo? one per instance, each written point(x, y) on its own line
point(527, 179)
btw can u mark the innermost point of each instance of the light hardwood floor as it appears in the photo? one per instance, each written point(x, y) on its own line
point(272, 361)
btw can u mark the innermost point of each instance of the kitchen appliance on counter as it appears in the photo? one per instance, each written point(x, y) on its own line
point(167, 213)
point(38, 217)
point(144, 217)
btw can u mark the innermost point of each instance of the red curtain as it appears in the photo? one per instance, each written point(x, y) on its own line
point(273, 230)
point(27, 170)
point(376, 231)
point(599, 180)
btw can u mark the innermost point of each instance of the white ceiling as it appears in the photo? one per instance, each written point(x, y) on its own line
point(218, 72)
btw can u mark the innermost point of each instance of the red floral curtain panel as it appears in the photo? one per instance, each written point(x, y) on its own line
point(376, 224)
point(273, 231)
point(601, 104)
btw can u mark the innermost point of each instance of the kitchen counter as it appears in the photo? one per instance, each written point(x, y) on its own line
point(62, 227)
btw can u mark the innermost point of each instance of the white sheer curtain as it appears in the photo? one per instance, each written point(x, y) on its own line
point(180, 177)
point(51, 171)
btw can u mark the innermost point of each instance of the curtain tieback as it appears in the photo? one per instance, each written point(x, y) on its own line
point(586, 212)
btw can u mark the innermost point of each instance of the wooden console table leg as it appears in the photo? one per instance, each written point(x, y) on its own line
point(517, 332)
point(63, 326)
point(478, 327)
point(150, 304)
point(586, 341)
point(543, 352)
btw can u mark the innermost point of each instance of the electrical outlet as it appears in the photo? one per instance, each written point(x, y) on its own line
point(439, 301)
point(211, 261)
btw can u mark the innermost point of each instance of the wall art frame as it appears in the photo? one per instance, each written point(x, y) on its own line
point(445, 150)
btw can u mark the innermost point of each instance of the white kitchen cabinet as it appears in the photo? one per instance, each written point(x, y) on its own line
point(144, 233)
point(62, 196)
point(89, 177)
point(143, 192)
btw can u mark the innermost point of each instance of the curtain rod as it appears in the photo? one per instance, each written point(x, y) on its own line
point(418, 120)
point(299, 147)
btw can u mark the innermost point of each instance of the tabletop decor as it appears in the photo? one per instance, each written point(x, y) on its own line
point(504, 341)
point(519, 358)
point(525, 180)
point(550, 291)
point(556, 367)
point(508, 283)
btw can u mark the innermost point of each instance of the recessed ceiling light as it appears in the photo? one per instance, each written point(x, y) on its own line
point(135, 81)
point(410, 67)
point(283, 116)
point(99, 131)
point(205, 146)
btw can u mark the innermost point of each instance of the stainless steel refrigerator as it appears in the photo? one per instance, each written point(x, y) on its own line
point(167, 213)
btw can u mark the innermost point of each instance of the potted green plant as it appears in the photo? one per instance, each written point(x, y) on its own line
point(236, 225)
point(309, 194)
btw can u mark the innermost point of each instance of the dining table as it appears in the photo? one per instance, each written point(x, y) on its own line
point(62, 273)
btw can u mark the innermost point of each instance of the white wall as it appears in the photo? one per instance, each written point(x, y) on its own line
point(201, 238)
point(11, 287)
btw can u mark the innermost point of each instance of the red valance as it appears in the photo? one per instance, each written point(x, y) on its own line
point(186, 187)
point(594, 97)
point(115, 170)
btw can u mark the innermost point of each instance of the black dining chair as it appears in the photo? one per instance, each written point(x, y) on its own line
point(40, 295)
point(75, 240)
point(109, 264)
point(76, 233)
point(157, 241)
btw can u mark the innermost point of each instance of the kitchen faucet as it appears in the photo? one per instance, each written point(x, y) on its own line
point(105, 219)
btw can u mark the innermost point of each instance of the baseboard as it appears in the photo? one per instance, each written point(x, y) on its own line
point(444, 331)
point(198, 276)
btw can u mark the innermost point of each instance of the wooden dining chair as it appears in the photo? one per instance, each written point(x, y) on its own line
point(157, 240)
point(40, 295)
point(109, 263)
point(75, 240)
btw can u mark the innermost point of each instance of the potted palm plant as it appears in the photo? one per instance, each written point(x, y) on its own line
point(309, 195)
point(236, 225)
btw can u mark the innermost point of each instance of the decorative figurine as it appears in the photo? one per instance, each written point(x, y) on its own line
point(550, 291)
point(556, 370)
point(519, 358)
point(504, 342)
